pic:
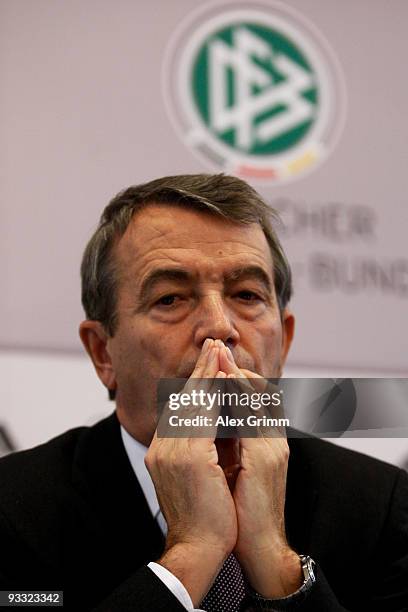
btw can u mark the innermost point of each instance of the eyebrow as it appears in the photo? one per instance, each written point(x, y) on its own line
point(181, 275)
point(163, 274)
point(249, 273)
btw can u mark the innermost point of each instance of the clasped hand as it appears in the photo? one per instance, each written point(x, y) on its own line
point(223, 496)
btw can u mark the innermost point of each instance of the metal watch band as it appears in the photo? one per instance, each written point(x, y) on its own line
point(286, 603)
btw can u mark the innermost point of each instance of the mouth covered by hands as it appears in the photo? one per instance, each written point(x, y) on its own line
point(224, 495)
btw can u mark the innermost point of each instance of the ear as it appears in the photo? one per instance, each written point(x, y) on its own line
point(288, 331)
point(95, 339)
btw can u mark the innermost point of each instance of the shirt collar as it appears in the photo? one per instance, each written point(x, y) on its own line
point(136, 452)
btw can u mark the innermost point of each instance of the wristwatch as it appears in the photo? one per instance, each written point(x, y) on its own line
point(286, 603)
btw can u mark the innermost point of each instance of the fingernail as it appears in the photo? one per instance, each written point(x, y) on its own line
point(206, 345)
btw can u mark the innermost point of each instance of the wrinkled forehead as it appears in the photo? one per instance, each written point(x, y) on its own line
point(161, 232)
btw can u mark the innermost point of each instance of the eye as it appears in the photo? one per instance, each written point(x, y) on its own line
point(248, 296)
point(171, 300)
point(167, 300)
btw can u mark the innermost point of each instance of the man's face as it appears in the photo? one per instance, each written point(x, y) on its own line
point(185, 276)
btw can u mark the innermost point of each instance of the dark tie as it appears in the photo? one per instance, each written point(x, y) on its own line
point(228, 589)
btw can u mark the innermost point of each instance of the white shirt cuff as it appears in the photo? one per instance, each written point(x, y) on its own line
point(174, 585)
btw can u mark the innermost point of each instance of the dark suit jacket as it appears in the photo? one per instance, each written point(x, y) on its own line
point(73, 518)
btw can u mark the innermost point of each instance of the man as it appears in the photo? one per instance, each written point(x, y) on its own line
point(185, 278)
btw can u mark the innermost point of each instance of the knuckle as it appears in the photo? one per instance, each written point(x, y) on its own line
point(286, 450)
point(179, 458)
point(149, 462)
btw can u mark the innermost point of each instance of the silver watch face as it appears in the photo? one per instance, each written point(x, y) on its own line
point(308, 568)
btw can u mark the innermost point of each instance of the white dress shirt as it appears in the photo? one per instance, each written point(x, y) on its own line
point(136, 453)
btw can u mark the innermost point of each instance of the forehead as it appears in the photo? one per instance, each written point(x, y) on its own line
point(165, 234)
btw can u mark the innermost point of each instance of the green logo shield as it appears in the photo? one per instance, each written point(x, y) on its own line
point(254, 89)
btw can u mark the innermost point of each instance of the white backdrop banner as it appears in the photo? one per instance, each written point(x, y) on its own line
point(305, 100)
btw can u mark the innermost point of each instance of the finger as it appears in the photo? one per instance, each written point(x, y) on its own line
point(227, 361)
point(203, 358)
point(202, 402)
point(241, 381)
point(275, 409)
point(208, 373)
point(250, 382)
point(189, 408)
point(206, 367)
point(258, 382)
point(216, 407)
point(212, 365)
point(208, 410)
point(265, 409)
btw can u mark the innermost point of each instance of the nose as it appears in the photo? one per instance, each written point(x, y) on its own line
point(215, 320)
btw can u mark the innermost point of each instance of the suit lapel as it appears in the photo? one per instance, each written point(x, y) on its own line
point(301, 495)
point(103, 469)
